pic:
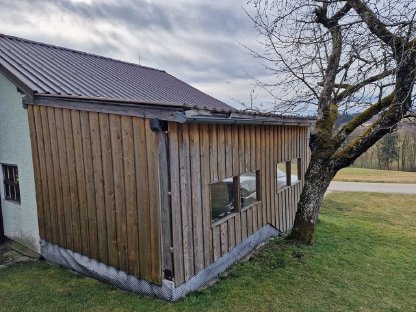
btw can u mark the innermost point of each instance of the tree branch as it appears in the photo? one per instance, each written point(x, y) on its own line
point(363, 117)
point(354, 88)
point(398, 104)
point(347, 155)
point(327, 109)
point(341, 13)
point(377, 27)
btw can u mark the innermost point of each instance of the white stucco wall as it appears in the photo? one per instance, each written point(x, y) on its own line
point(20, 220)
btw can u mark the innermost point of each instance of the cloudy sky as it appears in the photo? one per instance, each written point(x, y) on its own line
point(195, 40)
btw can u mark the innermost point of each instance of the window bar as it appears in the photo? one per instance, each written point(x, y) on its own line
point(13, 180)
point(300, 169)
point(237, 196)
point(288, 173)
point(258, 185)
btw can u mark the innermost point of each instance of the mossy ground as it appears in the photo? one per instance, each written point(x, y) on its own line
point(364, 259)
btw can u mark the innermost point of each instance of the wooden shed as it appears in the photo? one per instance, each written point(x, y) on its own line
point(143, 181)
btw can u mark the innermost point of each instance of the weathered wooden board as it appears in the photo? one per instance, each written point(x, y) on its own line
point(225, 151)
point(97, 186)
point(99, 192)
point(97, 165)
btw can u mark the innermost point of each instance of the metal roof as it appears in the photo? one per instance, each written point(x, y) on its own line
point(44, 69)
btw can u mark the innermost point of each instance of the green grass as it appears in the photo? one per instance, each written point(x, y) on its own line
point(364, 260)
point(374, 175)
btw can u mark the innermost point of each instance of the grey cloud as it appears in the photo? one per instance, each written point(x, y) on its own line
point(212, 18)
point(137, 13)
point(132, 13)
point(208, 17)
point(197, 42)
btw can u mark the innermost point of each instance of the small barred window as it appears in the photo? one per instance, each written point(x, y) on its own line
point(11, 183)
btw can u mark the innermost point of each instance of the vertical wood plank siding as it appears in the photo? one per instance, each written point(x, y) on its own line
point(202, 154)
point(99, 189)
point(97, 185)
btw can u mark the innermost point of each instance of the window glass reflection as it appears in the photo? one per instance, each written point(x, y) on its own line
point(248, 188)
point(222, 199)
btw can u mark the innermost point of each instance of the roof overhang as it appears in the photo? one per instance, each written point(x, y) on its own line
point(15, 79)
point(176, 112)
point(243, 118)
point(158, 110)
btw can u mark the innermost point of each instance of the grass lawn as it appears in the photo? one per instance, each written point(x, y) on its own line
point(373, 175)
point(364, 260)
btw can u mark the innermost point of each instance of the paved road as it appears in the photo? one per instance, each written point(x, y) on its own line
point(372, 187)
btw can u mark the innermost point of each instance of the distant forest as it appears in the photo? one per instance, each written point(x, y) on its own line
point(395, 151)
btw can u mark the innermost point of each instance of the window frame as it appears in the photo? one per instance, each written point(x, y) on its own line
point(11, 182)
point(237, 197)
point(236, 189)
point(258, 192)
point(289, 173)
point(299, 173)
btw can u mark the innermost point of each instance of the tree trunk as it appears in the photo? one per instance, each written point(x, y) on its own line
point(317, 179)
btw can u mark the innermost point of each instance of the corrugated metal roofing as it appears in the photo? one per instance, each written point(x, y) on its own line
point(52, 70)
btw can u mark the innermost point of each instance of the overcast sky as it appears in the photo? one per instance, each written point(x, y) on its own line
point(195, 40)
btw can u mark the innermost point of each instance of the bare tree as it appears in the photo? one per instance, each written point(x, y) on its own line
point(388, 150)
point(408, 150)
point(336, 56)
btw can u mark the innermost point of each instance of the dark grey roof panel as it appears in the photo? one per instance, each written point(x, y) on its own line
point(48, 69)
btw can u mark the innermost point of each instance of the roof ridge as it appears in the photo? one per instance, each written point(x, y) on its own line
point(75, 51)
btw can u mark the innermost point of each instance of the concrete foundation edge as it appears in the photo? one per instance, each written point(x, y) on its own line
point(167, 291)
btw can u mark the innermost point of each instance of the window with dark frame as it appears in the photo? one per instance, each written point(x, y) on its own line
point(223, 201)
point(288, 173)
point(231, 195)
point(282, 176)
point(11, 183)
point(248, 189)
point(295, 173)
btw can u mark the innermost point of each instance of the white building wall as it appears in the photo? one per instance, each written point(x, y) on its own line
point(20, 220)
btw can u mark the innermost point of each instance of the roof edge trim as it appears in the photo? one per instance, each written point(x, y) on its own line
point(244, 119)
point(143, 110)
point(15, 80)
point(39, 97)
